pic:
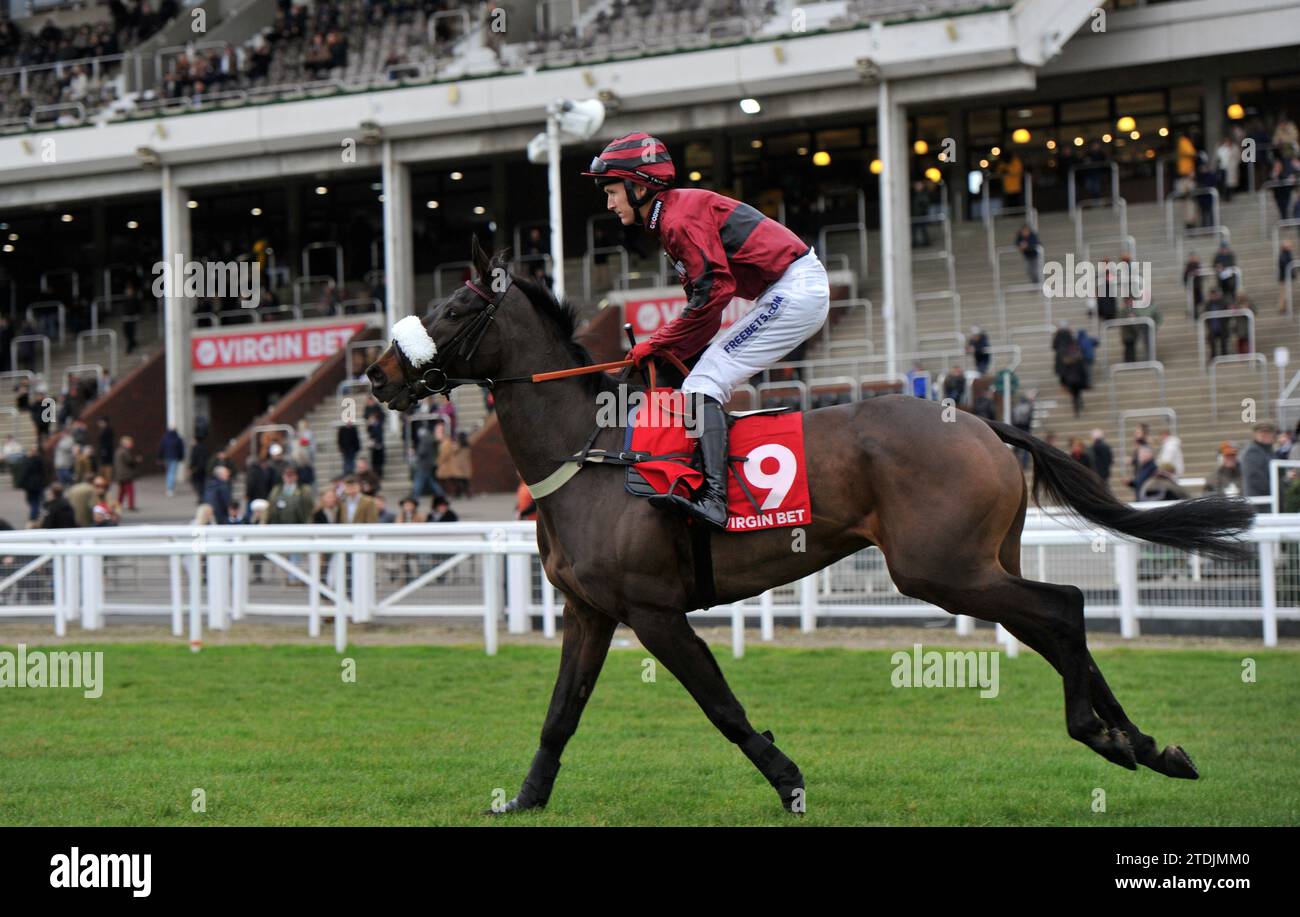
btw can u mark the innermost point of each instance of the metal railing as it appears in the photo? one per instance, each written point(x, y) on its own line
point(439, 269)
point(80, 369)
point(199, 578)
point(43, 340)
point(1224, 315)
point(1144, 366)
point(112, 347)
point(1127, 244)
point(1121, 209)
point(589, 260)
point(1183, 197)
point(1072, 191)
point(1256, 359)
point(324, 247)
point(37, 309)
point(1144, 321)
point(860, 230)
point(1125, 416)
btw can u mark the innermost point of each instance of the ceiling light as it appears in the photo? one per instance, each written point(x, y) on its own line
point(750, 106)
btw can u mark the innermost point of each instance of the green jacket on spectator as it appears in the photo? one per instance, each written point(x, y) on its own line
point(292, 509)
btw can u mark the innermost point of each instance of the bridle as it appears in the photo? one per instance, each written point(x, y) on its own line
point(463, 345)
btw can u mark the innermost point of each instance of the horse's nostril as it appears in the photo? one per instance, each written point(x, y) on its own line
point(375, 375)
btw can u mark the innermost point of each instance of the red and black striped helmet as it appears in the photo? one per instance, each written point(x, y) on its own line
point(635, 157)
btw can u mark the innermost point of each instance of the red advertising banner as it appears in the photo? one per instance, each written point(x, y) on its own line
point(649, 315)
point(270, 347)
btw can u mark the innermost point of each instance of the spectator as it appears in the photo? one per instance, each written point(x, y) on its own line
point(106, 440)
point(1144, 468)
point(327, 509)
point(349, 445)
point(456, 463)
point(260, 479)
point(424, 464)
point(1141, 437)
point(954, 385)
point(125, 465)
point(1225, 263)
point(1282, 447)
point(357, 507)
point(65, 459)
point(442, 511)
point(1255, 462)
point(1171, 453)
point(171, 452)
point(204, 515)
point(1102, 458)
point(13, 451)
point(375, 430)
point(257, 513)
point(1061, 342)
point(58, 511)
point(1027, 242)
point(409, 510)
point(381, 508)
point(369, 480)
point(302, 459)
point(216, 492)
point(920, 215)
point(1088, 348)
point(82, 497)
point(1162, 485)
point(291, 502)
point(1186, 182)
point(1192, 278)
point(1228, 167)
point(1217, 329)
point(1285, 256)
point(977, 345)
point(199, 467)
point(307, 440)
point(1227, 477)
point(1284, 171)
point(1079, 453)
point(233, 514)
point(31, 480)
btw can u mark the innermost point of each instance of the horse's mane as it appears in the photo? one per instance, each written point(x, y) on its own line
point(564, 317)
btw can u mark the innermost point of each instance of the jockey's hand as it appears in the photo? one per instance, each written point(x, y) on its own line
point(641, 352)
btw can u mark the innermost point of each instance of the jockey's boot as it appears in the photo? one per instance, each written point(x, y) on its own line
point(710, 504)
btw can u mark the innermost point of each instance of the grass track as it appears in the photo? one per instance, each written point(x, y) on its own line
point(275, 737)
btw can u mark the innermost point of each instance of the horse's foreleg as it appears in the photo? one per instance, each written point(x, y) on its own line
point(674, 642)
point(587, 635)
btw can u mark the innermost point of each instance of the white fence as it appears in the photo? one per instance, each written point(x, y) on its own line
point(360, 573)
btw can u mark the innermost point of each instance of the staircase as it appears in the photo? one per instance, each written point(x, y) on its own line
point(1187, 381)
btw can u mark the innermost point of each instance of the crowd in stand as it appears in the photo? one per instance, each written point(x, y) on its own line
point(128, 23)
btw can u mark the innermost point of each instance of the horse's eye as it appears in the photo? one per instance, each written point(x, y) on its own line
point(451, 313)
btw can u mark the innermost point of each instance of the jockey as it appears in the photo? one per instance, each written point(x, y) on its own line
point(721, 249)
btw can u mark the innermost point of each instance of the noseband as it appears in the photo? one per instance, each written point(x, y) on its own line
point(463, 345)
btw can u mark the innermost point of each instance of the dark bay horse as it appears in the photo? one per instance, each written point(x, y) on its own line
point(942, 497)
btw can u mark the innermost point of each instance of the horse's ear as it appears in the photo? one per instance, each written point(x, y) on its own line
point(479, 258)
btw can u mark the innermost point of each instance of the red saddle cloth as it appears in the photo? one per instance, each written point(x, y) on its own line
point(774, 470)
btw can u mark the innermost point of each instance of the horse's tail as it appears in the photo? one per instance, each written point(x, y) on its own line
point(1207, 524)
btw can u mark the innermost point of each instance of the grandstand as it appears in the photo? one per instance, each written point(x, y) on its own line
point(433, 105)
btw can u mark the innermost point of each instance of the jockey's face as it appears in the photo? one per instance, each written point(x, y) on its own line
point(616, 202)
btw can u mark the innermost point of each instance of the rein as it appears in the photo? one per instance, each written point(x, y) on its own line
point(465, 343)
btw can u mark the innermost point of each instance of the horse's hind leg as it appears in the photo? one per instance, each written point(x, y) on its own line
point(1046, 617)
point(1173, 761)
point(674, 642)
point(587, 635)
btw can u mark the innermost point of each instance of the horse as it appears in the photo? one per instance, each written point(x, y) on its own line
point(938, 492)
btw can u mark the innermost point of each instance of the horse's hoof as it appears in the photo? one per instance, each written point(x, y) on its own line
point(793, 798)
point(1178, 763)
point(515, 805)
